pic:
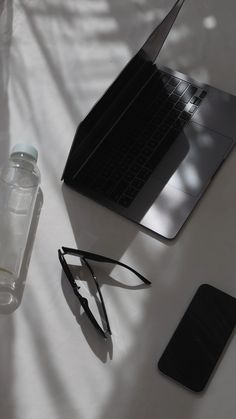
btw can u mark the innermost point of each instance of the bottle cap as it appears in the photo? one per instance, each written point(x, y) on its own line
point(26, 149)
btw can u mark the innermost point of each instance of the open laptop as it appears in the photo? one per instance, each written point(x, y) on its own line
point(151, 145)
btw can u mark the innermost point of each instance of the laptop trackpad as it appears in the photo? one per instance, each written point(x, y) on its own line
point(203, 151)
point(207, 150)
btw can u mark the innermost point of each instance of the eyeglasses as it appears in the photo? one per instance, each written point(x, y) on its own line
point(84, 257)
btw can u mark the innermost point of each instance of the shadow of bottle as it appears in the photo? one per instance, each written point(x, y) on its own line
point(15, 294)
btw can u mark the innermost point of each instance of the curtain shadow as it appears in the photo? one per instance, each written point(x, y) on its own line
point(6, 19)
point(7, 330)
point(137, 389)
point(135, 394)
point(7, 336)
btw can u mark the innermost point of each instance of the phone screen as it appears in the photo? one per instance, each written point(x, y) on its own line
point(200, 338)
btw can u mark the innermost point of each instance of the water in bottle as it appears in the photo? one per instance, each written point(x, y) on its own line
point(19, 183)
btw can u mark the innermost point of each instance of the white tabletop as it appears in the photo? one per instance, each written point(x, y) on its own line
point(57, 58)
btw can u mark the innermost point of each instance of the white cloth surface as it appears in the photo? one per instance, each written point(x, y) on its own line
point(56, 59)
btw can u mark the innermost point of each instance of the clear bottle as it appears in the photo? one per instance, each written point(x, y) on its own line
point(19, 183)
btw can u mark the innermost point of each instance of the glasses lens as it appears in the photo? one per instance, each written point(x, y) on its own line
point(88, 288)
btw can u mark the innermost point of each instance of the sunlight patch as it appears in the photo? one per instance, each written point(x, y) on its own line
point(209, 22)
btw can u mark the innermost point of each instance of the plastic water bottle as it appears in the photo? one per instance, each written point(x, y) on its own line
point(19, 183)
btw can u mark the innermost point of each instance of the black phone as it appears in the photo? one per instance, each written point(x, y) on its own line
point(199, 340)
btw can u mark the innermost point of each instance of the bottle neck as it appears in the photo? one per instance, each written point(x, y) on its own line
point(23, 159)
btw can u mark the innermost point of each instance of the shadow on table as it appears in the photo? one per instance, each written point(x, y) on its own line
point(94, 228)
point(103, 348)
point(7, 330)
point(137, 390)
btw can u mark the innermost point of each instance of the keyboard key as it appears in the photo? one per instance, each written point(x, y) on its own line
point(116, 176)
point(165, 77)
point(179, 124)
point(168, 105)
point(107, 171)
point(171, 136)
point(195, 101)
point(180, 105)
point(125, 201)
point(163, 128)
point(147, 151)
point(181, 88)
point(185, 115)
point(114, 196)
point(137, 183)
point(131, 192)
point(141, 159)
point(169, 89)
point(106, 187)
point(193, 109)
point(128, 177)
point(173, 98)
point(189, 92)
point(152, 142)
point(174, 81)
point(144, 174)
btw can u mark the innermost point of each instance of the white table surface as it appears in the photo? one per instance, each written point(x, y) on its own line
point(56, 59)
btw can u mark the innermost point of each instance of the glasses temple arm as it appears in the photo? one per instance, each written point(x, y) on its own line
point(99, 258)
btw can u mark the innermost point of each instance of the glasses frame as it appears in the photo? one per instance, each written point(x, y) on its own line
point(84, 255)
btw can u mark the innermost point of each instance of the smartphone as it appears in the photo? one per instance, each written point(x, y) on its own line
point(200, 338)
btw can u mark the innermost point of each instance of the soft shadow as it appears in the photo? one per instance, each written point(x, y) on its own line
point(7, 330)
point(103, 348)
point(17, 294)
point(7, 335)
point(137, 389)
point(94, 227)
point(143, 390)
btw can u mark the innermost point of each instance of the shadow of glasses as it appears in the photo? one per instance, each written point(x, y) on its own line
point(82, 255)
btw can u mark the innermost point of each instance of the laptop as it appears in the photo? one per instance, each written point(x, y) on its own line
point(150, 146)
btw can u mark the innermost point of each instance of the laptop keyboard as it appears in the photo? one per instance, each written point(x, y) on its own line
point(132, 149)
